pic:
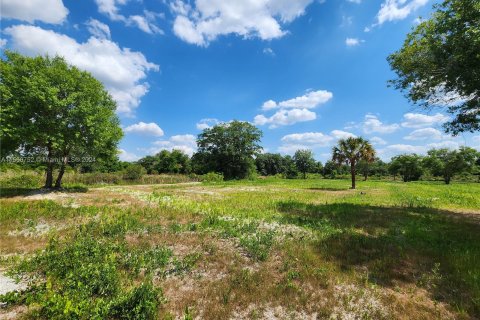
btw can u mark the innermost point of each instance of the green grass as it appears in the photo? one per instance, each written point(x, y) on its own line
point(291, 240)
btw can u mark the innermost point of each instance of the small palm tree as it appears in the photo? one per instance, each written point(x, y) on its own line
point(350, 151)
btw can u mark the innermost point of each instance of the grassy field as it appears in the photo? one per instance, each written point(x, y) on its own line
point(263, 249)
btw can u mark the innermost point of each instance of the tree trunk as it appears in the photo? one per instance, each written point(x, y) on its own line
point(352, 171)
point(304, 175)
point(49, 179)
point(447, 179)
point(58, 182)
point(365, 177)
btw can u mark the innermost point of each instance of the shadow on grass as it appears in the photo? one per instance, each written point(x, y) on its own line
point(15, 192)
point(435, 249)
point(328, 189)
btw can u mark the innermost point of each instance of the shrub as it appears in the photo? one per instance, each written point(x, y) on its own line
point(212, 177)
point(134, 172)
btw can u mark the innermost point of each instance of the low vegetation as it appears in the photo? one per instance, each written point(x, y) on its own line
point(245, 249)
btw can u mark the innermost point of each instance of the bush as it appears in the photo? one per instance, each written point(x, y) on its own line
point(134, 172)
point(27, 181)
point(212, 177)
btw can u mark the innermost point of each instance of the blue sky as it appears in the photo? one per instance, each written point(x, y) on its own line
point(305, 72)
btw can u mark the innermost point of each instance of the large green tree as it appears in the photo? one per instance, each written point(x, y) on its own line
point(304, 161)
point(228, 148)
point(351, 151)
point(52, 110)
point(448, 163)
point(270, 164)
point(408, 166)
point(439, 63)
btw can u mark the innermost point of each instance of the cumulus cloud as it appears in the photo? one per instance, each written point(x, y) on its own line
point(372, 124)
point(147, 129)
point(3, 43)
point(120, 69)
point(352, 42)
point(392, 10)
point(207, 123)
point(146, 22)
point(285, 117)
point(448, 144)
point(49, 11)
point(184, 142)
point(418, 120)
point(396, 149)
point(204, 21)
point(424, 134)
point(311, 140)
point(127, 156)
point(309, 100)
point(377, 141)
point(98, 29)
point(308, 138)
point(340, 134)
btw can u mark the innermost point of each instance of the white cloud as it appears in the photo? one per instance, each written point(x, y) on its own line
point(209, 19)
point(184, 142)
point(418, 120)
point(120, 70)
point(285, 117)
point(392, 10)
point(146, 23)
point(397, 149)
point(269, 52)
point(3, 43)
point(373, 125)
point(340, 134)
point(127, 156)
point(98, 29)
point(148, 129)
point(309, 100)
point(377, 141)
point(207, 123)
point(424, 134)
point(448, 144)
point(352, 42)
point(291, 148)
point(49, 11)
point(355, 1)
point(307, 138)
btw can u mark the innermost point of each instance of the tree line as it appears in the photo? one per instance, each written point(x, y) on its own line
point(233, 150)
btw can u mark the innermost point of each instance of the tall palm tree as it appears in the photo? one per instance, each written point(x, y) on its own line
point(350, 151)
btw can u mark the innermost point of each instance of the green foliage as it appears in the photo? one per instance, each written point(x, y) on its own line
point(165, 161)
point(446, 163)
point(228, 148)
point(408, 166)
point(53, 110)
point(439, 63)
point(212, 177)
point(304, 161)
point(270, 164)
point(351, 151)
point(134, 172)
point(85, 275)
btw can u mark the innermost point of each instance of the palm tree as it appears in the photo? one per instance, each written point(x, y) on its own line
point(350, 151)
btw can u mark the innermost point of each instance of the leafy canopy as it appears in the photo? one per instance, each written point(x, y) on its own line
point(52, 109)
point(351, 151)
point(229, 148)
point(439, 63)
point(304, 161)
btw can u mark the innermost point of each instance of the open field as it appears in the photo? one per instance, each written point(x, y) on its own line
point(263, 249)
